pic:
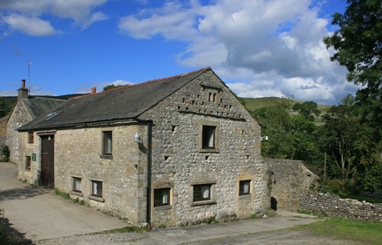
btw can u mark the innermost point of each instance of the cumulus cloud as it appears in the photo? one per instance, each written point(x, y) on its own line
point(32, 26)
point(275, 49)
point(17, 13)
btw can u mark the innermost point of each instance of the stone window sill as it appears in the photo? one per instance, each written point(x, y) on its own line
point(76, 193)
point(164, 207)
point(200, 203)
point(245, 196)
point(95, 198)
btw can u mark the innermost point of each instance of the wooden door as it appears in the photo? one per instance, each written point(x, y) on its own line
point(47, 160)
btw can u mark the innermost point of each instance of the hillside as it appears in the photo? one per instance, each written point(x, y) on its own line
point(255, 103)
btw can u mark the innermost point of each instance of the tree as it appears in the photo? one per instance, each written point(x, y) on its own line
point(112, 86)
point(306, 109)
point(358, 47)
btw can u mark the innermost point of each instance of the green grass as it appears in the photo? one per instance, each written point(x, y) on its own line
point(356, 231)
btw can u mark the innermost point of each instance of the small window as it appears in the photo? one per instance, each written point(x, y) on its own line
point(30, 137)
point(202, 192)
point(107, 142)
point(212, 97)
point(162, 197)
point(208, 138)
point(245, 187)
point(28, 162)
point(77, 184)
point(96, 188)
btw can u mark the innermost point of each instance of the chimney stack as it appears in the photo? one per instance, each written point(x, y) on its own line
point(94, 90)
point(23, 92)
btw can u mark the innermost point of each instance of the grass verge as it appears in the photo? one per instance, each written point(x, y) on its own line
point(344, 229)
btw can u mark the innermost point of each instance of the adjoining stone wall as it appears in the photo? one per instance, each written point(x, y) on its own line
point(334, 206)
point(289, 178)
point(179, 162)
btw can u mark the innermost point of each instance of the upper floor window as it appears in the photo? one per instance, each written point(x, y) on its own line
point(30, 137)
point(107, 142)
point(208, 137)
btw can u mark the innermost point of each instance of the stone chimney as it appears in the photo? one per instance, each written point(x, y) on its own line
point(94, 90)
point(23, 92)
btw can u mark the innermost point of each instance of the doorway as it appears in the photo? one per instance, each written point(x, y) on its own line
point(47, 160)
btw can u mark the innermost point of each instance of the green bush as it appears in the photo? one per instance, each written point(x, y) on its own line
point(335, 186)
point(6, 153)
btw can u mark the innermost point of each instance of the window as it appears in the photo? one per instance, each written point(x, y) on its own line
point(244, 187)
point(162, 197)
point(96, 188)
point(107, 143)
point(202, 192)
point(211, 97)
point(208, 137)
point(30, 137)
point(77, 185)
point(28, 162)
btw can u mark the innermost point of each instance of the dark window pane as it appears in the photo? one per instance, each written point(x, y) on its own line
point(162, 197)
point(245, 187)
point(107, 142)
point(202, 192)
point(97, 188)
point(208, 140)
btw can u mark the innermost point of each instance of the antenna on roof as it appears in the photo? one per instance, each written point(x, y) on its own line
point(29, 75)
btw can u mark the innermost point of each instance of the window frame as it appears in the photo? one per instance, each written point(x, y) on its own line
point(106, 135)
point(200, 199)
point(30, 137)
point(241, 184)
point(28, 163)
point(161, 191)
point(74, 189)
point(209, 131)
point(96, 194)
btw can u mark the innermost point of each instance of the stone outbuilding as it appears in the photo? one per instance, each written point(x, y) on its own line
point(173, 152)
point(26, 109)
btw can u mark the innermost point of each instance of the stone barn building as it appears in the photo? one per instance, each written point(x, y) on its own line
point(173, 151)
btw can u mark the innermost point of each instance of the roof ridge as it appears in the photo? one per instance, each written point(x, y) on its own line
point(140, 84)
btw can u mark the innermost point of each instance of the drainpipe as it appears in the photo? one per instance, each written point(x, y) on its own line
point(149, 159)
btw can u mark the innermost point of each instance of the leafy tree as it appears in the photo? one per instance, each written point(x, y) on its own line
point(358, 47)
point(306, 109)
point(5, 107)
point(112, 86)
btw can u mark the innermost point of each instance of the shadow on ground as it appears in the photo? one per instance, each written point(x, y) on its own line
point(22, 193)
point(9, 235)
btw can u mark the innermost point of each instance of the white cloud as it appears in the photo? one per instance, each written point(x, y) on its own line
point(31, 26)
point(274, 48)
point(16, 12)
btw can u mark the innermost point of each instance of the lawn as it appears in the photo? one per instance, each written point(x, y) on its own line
point(343, 229)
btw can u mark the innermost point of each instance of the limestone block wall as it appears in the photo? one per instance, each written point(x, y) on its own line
point(179, 162)
point(78, 153)
point(19, 117)
point(332, 205)
point(289, 179)
point(26, 149)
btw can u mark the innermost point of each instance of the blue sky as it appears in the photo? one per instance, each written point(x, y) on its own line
point(257, 47)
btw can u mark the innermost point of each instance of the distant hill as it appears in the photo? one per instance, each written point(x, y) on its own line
point(255, 103)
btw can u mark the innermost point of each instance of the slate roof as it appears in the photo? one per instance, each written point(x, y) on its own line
point(113, 105)
point(38, 106)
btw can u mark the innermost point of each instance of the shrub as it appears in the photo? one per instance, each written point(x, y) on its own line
point(335, 186)
point(6, 153)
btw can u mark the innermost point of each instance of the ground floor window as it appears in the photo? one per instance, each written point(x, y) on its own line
point(162, 197)
point(28, 163)
point(244, 187)
point(96, 188)
point(202, 192)
point(77, 184)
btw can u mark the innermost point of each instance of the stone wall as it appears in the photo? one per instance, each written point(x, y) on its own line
point(19, 117)
point(180, 162)
point(289, 178)
point(334, 206)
